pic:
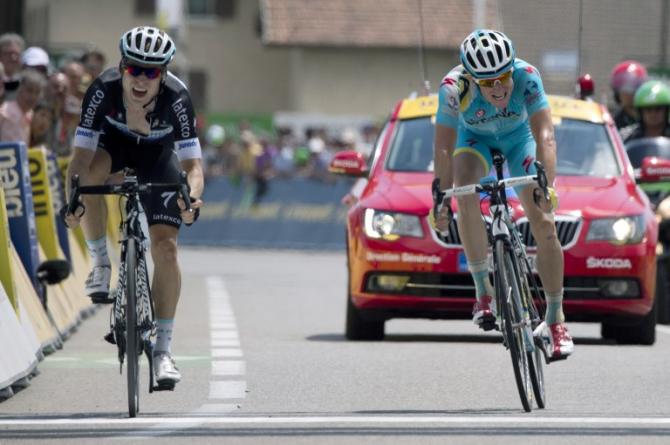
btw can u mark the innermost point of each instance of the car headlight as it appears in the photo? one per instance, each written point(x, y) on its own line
point(624, 230)
point(391, 226)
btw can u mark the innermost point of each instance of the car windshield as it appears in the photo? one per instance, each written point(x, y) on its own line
point(583, 148)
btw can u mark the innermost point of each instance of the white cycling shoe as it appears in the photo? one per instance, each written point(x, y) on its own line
point(97, 284)
point(165, 371)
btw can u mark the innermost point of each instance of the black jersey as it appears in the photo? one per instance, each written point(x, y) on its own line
point(172, 120)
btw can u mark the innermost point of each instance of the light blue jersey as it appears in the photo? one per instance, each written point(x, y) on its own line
point(481, 126)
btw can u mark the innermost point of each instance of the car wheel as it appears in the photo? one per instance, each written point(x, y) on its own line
point(357, 327)
point(640, 333)
point(663, 289)
point(360, 329)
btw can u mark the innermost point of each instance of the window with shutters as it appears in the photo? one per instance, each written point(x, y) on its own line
point(197, 87)
point(222, 9)
point(145, 7)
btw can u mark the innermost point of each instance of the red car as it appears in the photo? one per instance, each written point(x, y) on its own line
point(399, 267)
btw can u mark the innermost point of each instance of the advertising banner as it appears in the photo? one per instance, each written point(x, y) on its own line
point(58, 199)
point(15, 177)
point(6, 265)
point(291, 213)
point(43, 204)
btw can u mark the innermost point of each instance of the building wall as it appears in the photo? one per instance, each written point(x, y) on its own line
point(612, 30)
point(243, 75)
point(361, 81)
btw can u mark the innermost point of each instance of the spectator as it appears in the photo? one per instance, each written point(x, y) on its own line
point(625, 79)
point(652, 103)
point(72, 107)
point(2, 84)
point(11, 47)
point(56, 93)
point(94, 62)
point(37, 59)
point(283, 161)
point(15, 115)
point(40, 126)
point(211, 154)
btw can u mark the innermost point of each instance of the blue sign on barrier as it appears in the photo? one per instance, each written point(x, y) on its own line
point(293, 213)
point(58, 197)
point(15, 177)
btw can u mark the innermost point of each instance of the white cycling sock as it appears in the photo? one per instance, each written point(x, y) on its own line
point(554, 307)
point(480, 275)
point(97, 249)
point(163, 334)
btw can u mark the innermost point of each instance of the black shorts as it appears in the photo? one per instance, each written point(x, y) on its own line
point(152, 163)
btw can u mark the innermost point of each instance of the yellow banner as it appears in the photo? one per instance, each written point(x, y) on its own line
point(6, 273)
point(43, 202)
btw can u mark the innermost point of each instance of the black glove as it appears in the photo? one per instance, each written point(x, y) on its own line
point(196, 212)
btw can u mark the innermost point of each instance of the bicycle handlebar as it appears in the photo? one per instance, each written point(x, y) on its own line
point(472, 189)
point(488, 185)
point(129, 186)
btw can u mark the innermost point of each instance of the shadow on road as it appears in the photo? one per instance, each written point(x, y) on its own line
point(448, 338)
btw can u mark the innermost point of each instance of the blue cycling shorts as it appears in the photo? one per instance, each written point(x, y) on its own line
point(518, 147)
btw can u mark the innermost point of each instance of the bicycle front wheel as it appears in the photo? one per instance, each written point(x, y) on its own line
point(532, 318)
point(513, 326)
point(132, 337)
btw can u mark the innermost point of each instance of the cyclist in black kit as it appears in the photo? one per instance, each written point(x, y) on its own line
point(139, 115)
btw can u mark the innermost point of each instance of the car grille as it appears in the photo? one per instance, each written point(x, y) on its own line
point(436, 285)
point(566, 227)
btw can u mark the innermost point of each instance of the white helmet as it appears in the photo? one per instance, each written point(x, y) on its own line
point(147, 45)
point(486, 53)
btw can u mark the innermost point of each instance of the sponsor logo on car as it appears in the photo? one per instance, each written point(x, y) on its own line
point(608, 263)
point(404, 257)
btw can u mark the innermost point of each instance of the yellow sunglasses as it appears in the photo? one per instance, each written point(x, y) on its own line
point(490, 83)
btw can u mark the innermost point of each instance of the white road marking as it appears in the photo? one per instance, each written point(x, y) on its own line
point(226, 352)
point(216, 343)
point(216, 326)
point(227, 389)
point(663, 329)
point(343, 420)
point(228, 367)
point(215, 408)
point(223, 334)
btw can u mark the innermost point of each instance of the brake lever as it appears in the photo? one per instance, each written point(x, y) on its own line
point(185, 191)
point(74, 203)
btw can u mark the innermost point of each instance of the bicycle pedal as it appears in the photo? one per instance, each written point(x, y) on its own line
point(109, 338)
point(165, 386)
point(488, 325)
point(101, 298)
point(556, 359)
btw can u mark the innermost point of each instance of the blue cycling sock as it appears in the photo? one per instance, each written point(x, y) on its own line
point(163, 334)
point(554, 312)
point(480, 275)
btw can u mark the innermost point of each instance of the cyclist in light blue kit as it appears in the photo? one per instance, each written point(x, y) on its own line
point(494, 100)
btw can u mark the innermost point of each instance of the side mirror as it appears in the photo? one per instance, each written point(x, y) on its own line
point(53, 271)
point(654, 169)
point(348, 163)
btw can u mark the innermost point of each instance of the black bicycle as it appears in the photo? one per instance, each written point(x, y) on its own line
point(132, 315)
point(518, 297)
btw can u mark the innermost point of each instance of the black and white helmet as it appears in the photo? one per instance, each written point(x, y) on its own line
point(147, 45)
point(486, 53)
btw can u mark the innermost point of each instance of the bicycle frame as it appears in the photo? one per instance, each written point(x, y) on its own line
point(132, 314)
point(519, 317)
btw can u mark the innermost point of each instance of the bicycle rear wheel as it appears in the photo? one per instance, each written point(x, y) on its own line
point(132, 337)
point(513, 330)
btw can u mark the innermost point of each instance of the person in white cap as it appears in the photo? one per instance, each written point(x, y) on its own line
point(36, 58)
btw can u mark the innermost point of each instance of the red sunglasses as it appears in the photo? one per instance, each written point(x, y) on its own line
point(136, 71)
